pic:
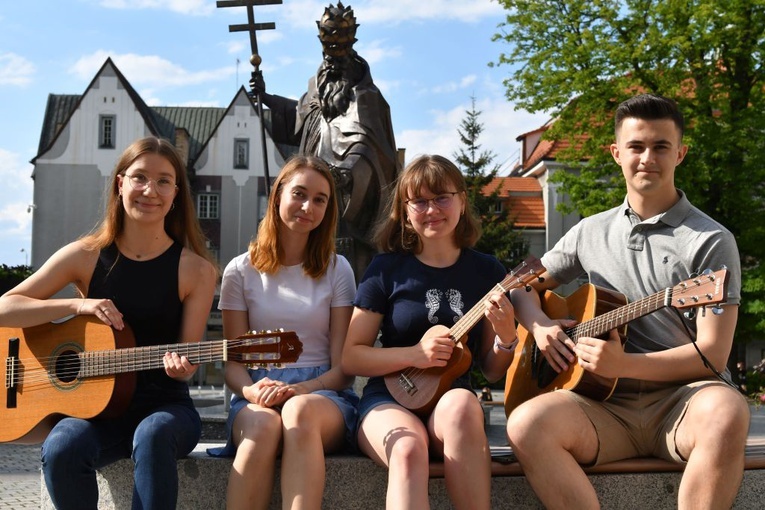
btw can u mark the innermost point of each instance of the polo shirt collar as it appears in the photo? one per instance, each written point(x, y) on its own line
point(672, 217)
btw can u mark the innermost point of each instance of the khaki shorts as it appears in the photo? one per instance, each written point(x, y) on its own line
point(641, 423)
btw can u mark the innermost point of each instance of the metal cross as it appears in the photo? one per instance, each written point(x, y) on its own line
point(255, 60)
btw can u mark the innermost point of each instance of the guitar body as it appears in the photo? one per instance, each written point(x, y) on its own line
point(46, 386)
point(529, 373)
point(419, 389)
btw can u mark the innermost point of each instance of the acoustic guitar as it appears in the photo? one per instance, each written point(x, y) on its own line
point(597, 311)
point(419, 389)
point(86, 369)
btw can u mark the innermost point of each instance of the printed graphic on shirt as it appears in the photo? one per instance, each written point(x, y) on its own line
point(433, 299)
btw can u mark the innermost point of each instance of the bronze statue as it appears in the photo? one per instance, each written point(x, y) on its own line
point(344, 119)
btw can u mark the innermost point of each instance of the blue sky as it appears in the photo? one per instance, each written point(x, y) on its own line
point(427, 56)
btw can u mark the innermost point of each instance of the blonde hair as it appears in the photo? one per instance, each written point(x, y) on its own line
point(181, 222)
point(436, 173)
point(266, 253)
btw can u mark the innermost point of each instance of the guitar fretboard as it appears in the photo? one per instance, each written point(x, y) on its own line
point(616, 318)
point(96, 363)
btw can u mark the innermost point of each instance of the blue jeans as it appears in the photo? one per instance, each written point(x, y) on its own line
point(76, 448)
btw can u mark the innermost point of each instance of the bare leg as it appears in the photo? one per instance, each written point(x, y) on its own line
point(712, 436)
point(457, 429)
point(551, 436)
point(312, 425)
point(394, 437)
point(257, 434)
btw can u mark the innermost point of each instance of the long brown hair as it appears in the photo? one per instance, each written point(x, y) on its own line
point(181, 222)
point(436, 173)
point(265, 250)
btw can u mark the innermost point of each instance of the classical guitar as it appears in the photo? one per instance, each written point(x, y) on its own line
point(418, 389)
point(84, 368)
point(597, 311)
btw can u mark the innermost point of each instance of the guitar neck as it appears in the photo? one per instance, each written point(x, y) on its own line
point(475, 314)
point(614, 319)
point(133, 359)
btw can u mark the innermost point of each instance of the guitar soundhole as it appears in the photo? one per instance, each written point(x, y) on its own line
point(67, 366)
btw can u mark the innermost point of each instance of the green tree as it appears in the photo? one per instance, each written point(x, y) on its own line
point(578, 59)
point(500, 238)
point(10, 276)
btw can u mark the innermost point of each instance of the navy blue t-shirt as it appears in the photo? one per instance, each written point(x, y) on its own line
point(413, 297)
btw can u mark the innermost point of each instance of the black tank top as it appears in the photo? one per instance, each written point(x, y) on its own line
point(146, 293)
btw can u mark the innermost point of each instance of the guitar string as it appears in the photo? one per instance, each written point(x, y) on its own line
point(95, 363)
point(616, 318)
point(409, 375)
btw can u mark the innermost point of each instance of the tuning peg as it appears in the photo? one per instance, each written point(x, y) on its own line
point(541, 279)
point(717, 310)
point(528, 288)
point(690, 314)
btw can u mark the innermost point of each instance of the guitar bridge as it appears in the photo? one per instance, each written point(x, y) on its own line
point(11, 371)
point(409, 387)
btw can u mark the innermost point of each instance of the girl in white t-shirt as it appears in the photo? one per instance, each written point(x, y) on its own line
point(290, 278)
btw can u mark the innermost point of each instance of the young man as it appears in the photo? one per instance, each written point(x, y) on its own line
point(667, 403)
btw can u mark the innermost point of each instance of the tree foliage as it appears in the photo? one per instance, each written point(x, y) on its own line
point(499, 235)
point(10, 276)
point(578, 59)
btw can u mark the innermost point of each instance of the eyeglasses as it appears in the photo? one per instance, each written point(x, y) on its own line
point(163, 185)
point(442, 202)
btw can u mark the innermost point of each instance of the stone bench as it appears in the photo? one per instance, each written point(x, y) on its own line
point(355, 482)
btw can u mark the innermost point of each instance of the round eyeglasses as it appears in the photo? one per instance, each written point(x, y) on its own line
point(442, 202)
point(163, 185)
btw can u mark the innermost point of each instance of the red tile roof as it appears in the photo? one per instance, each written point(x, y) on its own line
point(522, 198)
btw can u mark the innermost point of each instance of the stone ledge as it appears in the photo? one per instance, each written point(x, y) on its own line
point(355, 482)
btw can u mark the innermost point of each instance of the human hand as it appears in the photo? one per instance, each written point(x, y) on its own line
point(103, 309)
point(178, 367)
point(500, 312)
point(432, 351)
point(268, 393)
point(601, 357)
point(555, 345)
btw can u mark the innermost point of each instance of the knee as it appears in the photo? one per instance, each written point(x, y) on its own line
point(459, 411)
point(722, 413)
point(408, 453)
point(298, 410)
point(523, 425)
point(67, 444)
point(260, 426)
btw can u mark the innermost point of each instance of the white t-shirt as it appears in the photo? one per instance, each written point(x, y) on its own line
point(289, 300)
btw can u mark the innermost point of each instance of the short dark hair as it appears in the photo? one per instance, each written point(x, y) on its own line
point(649, 107)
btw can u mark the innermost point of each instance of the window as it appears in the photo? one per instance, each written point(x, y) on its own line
point(106, 135)
point(241, 153)
point(498, 206)
point(208, 206)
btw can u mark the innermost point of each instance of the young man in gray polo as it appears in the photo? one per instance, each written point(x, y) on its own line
point(666, 403)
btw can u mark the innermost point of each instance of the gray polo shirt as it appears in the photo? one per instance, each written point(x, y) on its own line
point(618, 251)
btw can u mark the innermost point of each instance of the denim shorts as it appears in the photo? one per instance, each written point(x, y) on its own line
point(345, 400)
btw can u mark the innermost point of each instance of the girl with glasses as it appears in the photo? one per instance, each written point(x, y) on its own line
point(428, 275)
point(290, 278)
point(145, 266)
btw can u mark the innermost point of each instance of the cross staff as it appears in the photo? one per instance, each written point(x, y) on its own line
point(255, 60)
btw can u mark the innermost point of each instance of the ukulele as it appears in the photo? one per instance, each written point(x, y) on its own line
point(419, 389)
point(86, 369)
point(597, 311)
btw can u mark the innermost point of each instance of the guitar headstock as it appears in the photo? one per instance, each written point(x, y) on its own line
point(708, 288)
point(523, 274)
point(265, 347)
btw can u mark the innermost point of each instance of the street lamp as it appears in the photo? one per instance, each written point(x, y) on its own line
point(26, 256)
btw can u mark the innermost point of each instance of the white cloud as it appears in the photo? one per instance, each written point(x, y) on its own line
point(192, 7)
point(374, 51)
point(148, 70)
point(304, 13)
point(454, 86)
point(15, 194)
point(501, 125)
point(15, 70)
